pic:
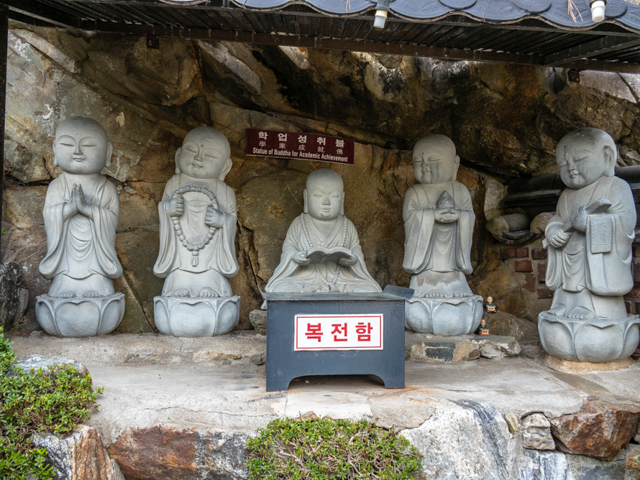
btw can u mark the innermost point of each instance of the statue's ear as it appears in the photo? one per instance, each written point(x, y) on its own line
point(610, 158)
point(177, 157)
point(55, 159)
point(109, 152)
point(455, 170)
point(342, 207)
point(305, 208)
point(227, 166)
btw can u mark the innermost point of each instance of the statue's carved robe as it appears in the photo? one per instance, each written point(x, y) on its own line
point(321, 277)
point(81, 247)
point(431, 246)
point(217, 261)
point(599, 259)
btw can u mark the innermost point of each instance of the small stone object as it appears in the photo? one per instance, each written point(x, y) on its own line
point(80, 456)
point(258, 319)
point(600, 429)
point(536, 432)
point(321, 252)
point(589, 255)
point(513, 421)
point(197, 241)
point(438, 222)
point(81, 214)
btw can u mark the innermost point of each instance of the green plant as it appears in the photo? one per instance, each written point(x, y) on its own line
point(53, 400)
point(330, 449)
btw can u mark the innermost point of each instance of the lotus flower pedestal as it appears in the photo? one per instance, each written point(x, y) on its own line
point(80, 316)
point(444, 316)
point(196, 317)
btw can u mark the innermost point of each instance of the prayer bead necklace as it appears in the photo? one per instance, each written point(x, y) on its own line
point(194, 247)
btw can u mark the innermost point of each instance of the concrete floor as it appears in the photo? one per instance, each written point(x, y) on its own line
point(214, 383)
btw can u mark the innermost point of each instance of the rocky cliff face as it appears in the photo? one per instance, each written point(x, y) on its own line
point(505, 121)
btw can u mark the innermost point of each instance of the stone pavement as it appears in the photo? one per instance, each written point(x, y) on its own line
point(218, 384)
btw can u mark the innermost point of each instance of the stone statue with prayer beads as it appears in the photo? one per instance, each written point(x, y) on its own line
point(589, 255)
point(81, 214)
point(438, 220)
point(197, 241)
point(321, 252)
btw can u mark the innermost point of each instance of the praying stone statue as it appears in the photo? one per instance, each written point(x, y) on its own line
point(81, 213)
point(321, 252)
point(589, 255)
point(438, 222)
point(197, 241)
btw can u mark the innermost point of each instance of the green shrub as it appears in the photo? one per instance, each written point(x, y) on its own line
point(326, 449)
point(34, 402)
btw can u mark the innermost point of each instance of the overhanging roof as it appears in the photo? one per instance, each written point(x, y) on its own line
point(530, 32)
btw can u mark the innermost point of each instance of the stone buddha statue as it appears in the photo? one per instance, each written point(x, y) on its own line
point(197, 240)
point(321, 252)
point(589, 254)
point(438, 221)
point(81, 213)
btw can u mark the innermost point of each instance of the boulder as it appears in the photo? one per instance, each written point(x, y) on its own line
point(80, 456)
point(504, 324)
point(433, 348)
point(37, 362)
point(599, 430)
point(165, 452)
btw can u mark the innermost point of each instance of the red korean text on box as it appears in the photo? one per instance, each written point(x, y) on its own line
point(339, 332)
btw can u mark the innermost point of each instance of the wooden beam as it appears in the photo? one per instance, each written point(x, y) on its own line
point(38, 11)
point(591, 49)
point(313, 42)
point(4, 33)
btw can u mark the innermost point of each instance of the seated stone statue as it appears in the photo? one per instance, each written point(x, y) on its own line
point(438, 221)
point(80, 216)
point(198, 220)
point(197, 241)
point(321, 252)
point(589, 254)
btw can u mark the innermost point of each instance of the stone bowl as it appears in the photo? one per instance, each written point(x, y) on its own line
point(80, 316)
point(196, 317)
point(589, 340)
point(444, 316)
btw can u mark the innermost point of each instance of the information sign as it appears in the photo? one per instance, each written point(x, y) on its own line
point(303, 146)
point(339, 332)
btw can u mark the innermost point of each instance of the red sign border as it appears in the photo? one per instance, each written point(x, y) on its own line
point(379, 316)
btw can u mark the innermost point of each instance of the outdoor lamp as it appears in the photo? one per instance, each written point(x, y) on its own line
point(382, 9)
point(597, 10)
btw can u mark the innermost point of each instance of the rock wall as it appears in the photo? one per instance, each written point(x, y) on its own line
point(505, 121)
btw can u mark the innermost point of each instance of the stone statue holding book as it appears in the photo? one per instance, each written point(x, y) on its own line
point(589, 255)
point(81, 214)
point(438, 221)
point(321, 252)
point(197, 241)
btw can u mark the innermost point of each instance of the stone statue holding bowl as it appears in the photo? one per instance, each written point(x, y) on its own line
point(589, 249)
point(81, 214)
point(438, 221)
point(197, 241)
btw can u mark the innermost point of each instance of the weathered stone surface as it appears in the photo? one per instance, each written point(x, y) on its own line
point(537, 465)
point(37, 362)
point(536, 432)
point(425, 347)
point(10, 280)
point(600, 429)
point(477, 429)
point(80, 456)
point(258, 319)
point(632, 459)
point(505, 324)
point(169, 453)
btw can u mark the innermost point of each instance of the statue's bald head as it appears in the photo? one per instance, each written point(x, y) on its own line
point(435, 160)
point(584, 155)
point(325, 177)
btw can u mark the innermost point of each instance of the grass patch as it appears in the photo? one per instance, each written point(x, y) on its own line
point(326, 449)
point(35, 402)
